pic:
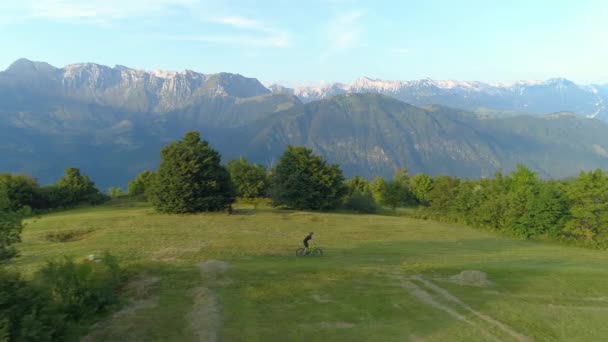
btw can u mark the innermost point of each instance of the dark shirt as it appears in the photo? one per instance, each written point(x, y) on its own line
point(308, 237)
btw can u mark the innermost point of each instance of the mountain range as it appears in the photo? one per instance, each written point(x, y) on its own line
point(530, 97)
point(112, 122)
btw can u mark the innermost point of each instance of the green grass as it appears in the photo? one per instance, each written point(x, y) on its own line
point(361, 290)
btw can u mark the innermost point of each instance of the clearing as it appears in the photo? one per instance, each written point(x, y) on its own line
point(215, 277)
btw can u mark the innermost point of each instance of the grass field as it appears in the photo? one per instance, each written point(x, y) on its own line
point(213, 277)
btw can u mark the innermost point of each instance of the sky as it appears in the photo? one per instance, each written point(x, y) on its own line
point(318, 41)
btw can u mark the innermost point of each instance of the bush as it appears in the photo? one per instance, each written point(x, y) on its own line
point(10, 233)
point(27, 312)
point(362, 202)
point(81, 289)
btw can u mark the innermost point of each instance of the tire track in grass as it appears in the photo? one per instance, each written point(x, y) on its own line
point(453, 299)
point(427, 298)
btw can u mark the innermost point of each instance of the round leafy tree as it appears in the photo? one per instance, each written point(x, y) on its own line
point(304, 181)
point(190, 178)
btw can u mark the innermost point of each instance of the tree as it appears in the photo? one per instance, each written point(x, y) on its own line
point(115, 192)
point(140, 184)
point(77, 188)
point(250, 180)
point(356, 184)
point(402, 189)
point(190, 178)
point(394, 194)
point(589, 210)
point(420, 185)
point(302, 180)
point(17, 191)
point(378, 189)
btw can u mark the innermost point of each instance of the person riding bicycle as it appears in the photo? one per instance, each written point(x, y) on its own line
point(306, 239)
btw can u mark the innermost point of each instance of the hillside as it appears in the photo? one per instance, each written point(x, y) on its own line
point(112, 122)
point(370, 134)
point(235, 278)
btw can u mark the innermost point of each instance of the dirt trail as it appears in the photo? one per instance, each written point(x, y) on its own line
point(119, 326)
point(205, 318)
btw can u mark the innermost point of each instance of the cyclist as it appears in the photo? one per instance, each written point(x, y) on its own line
point(306, 239)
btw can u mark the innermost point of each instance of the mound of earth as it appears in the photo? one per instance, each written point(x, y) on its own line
point(471, 278)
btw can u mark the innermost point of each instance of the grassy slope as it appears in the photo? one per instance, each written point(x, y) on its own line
point(355, 292)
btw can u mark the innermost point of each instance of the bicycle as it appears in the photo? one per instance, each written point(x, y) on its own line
point(312, 251)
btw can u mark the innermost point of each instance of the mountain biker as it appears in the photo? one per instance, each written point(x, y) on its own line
point(306, 239)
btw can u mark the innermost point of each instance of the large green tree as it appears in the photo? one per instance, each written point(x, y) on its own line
point(250, 180)
point(302, 180)
point(190, 178)
point(76, 188)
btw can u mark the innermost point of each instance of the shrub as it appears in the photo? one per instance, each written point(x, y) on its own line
point(10, 233)
point(27, 312)
point(81, 289)
point(362, 202)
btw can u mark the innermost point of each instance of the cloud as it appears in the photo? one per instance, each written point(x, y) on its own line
point(227, 29)
point(265, 35)
point(343, 32)
point(98, 10)
point(249, 40)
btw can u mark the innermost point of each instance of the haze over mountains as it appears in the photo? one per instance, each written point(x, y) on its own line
point(533, 97)
point(112, 122)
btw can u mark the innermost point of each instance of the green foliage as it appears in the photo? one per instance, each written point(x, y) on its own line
point(420, 185)
point(378, 188)
point(250, 180)
point(115, 192)
point(10, 233)
point(140, 185)
point(356, 183)
point(27, 312)
point(440, 197)
point(60, 295)
point(190, 178)
point(17, 191)
point(589, 210)
point(77, 189)
point(360, 201)
point(82, 289)
point(304, 181)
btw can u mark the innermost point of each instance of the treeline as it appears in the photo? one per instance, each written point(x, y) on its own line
point(524, 205)
point(190, 179)
point(21, 193)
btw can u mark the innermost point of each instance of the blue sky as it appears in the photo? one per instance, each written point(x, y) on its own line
point(316, 41)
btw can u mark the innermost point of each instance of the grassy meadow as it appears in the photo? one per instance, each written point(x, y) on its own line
point(220, 277)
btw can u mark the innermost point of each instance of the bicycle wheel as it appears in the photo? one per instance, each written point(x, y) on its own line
point(300, 252)
point(317, 252)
